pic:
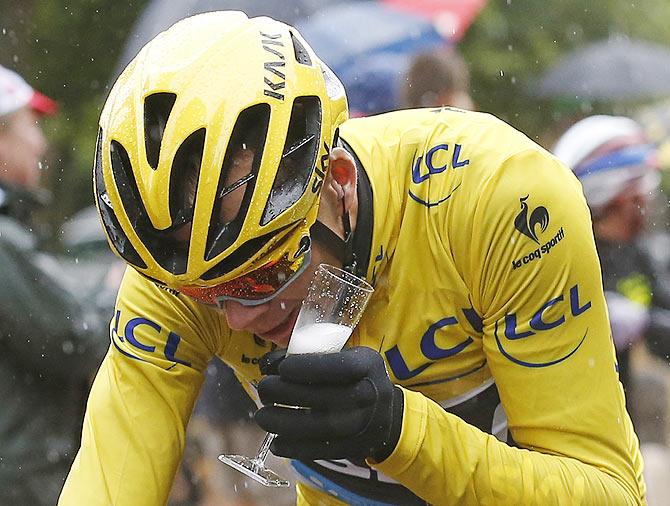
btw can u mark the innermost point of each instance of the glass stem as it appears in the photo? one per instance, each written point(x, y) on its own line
point(265, 448)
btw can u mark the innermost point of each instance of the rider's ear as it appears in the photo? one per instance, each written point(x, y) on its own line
point(342, 175)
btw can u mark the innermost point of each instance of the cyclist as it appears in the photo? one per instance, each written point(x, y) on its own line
point(618, 169)
point(483, 369)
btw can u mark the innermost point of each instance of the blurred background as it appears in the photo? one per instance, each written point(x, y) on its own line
point(540, 66)
point(72, 50)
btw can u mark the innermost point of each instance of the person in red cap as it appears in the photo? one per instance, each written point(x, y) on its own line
point(22, 143)
point(52, 333)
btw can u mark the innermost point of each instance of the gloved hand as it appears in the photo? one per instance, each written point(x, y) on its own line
point(628, 319)
point(355, 410)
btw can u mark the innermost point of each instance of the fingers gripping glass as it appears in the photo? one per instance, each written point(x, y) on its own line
point(255, 287)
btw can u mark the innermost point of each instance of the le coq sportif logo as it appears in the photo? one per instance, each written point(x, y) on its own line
point(527, 222)
point(533, 223)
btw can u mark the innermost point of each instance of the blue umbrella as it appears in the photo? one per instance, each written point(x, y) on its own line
point(369, 45)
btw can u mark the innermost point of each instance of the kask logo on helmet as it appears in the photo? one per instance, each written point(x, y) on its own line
point(271, 67)
point(320, 172)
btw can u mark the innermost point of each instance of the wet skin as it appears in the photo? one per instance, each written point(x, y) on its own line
point(22, 148)
point(274, 320)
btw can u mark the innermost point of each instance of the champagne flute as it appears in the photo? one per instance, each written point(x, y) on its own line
point(334, 305)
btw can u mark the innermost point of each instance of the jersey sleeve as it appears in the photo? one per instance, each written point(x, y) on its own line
point(142, 398)
point(530, 261)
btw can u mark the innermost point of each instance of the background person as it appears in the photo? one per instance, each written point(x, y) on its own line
point(51, 336)
point(434, 78)
point(618, 169)
point(437, 78)
point(225, 208)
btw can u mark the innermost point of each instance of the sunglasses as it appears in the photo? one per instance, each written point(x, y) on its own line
point(255, 287)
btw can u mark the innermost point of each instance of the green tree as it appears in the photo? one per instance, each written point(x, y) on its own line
point(68, 49)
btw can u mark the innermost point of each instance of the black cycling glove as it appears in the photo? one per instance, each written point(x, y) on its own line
point(355, 410)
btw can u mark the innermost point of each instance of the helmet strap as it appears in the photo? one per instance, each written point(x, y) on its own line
point(349, 263)
point(343, 249)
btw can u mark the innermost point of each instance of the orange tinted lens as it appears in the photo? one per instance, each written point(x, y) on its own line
point(260, 284)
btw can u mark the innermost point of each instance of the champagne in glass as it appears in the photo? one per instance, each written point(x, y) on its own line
point(334, 305)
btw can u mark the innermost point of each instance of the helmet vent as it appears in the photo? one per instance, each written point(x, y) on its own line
point(243, 254)
point(184, 177)
point(237, 181)
point(301, 54)
point(113, 228)
point(157, 108)
point(167, 247)
point(298, 157)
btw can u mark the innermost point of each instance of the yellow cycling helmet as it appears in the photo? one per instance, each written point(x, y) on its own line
point(212, 149)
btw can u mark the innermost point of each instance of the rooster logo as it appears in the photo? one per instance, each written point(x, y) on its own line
point(527, 224)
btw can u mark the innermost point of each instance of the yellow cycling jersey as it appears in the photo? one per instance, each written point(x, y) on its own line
point(488, 309)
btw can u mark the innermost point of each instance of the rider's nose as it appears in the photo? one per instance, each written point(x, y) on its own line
point(241, 317)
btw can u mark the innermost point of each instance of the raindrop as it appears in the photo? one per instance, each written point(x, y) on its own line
point(68, 347)
point(501, 73)
point(52, 455)
point(282, 305)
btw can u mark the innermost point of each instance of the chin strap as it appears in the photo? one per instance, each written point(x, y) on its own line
point(343, 249)
point(349, 262)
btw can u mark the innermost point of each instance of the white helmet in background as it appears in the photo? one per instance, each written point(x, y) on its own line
point(609, 155)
